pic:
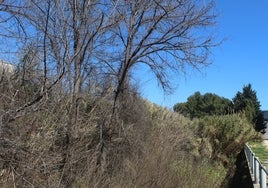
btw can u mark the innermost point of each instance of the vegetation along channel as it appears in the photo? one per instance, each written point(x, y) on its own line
point(72, 115)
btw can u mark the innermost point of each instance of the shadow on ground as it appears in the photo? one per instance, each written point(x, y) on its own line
point(242, 177)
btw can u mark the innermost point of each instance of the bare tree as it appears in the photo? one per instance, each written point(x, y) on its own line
point(65, 33)
point(76, 35)
point(166, 36)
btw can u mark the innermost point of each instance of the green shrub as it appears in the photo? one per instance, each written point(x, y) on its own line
point(227, 134)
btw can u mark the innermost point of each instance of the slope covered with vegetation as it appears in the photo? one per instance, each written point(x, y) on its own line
point(144, 145)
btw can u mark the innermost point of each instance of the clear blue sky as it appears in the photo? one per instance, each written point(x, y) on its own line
point(241, 59)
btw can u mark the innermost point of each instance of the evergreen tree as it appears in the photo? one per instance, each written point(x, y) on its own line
point(198, 105)
point(247, 102)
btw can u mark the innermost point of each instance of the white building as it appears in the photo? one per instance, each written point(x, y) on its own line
point(6, 68)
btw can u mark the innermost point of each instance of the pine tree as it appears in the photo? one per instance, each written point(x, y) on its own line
point(247, 102)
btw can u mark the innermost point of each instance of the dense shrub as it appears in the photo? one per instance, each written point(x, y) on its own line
point(227, 133)
point(226, 136)
point(169, 156)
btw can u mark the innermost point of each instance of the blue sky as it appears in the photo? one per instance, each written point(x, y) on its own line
point(241, 59)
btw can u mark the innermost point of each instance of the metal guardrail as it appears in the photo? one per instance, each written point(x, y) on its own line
point(256, 167)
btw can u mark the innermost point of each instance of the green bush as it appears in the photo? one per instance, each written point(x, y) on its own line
point(227, 134)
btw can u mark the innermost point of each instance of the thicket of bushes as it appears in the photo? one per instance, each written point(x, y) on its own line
point(225, 136)
point(144, 145)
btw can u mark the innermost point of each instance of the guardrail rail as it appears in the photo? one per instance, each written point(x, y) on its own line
point(257, 169)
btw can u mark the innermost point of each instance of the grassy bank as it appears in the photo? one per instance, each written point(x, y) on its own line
point(261, 151)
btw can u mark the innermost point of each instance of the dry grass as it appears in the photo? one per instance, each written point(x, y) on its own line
point(144, 145)
point(168, 157)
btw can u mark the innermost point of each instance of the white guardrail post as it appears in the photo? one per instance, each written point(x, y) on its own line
point(262, 177)
point(256, 170)
point(252, 161)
